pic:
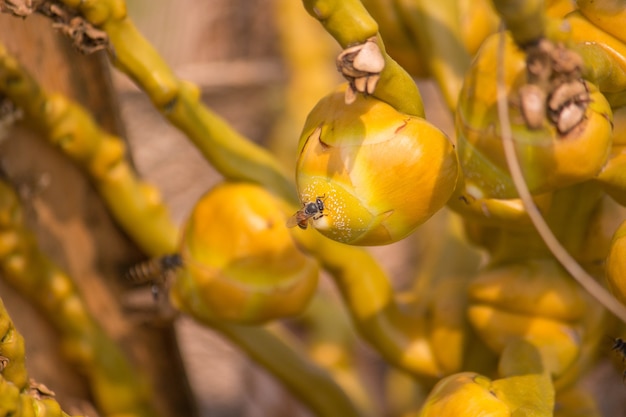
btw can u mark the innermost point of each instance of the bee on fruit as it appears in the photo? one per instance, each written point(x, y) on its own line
point(311, 210)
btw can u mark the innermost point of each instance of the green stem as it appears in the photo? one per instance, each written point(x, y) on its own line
point(367, 293)
point(117, 387)
point(308, 382)
point(436, 31)
point(234, 156)
point(16, 403)
point(525, 19)
point(350, 24)
point(135, 204)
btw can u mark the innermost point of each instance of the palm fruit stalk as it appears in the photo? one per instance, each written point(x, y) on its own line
point(19, 395)
point(400, 330)
point(438, 34)
point(310, 383)
point(331, 342)
point(230, 153)
point(31, 403)
point(12, 354)
point(136, 205)
point(609, 15)
point(562, 321)
point(526, 20)
point(399, 42)
point(116, 386)
point(355, 31)
point(309, 75)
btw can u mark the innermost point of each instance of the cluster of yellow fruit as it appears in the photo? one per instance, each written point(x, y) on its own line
point(369, 172)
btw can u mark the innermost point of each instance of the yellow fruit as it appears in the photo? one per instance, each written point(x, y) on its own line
point(616, 264)
point(549, 159)
point(464, 394)
point(609, 15)
point(239, 259)
point(477, 19)
point(605, 57)
point(536, 301)
point(472, 394)
point(378, 172)
point(559, 8)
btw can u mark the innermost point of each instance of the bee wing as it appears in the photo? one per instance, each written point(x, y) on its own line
point(292, 221)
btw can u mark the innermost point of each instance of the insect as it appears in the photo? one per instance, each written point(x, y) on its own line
point(154, 271)
point(619, 345)
point(314, 210)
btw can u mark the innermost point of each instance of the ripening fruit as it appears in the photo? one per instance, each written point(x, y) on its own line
point(570, 147)
point(609, 15)
point(472, 394)
point(616, 264)
point(377, 172)
point(536, 300)
point(464, 394)
point(239, 259)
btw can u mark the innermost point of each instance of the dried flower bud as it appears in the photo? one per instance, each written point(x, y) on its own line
point(565, 145)
point(379, 173)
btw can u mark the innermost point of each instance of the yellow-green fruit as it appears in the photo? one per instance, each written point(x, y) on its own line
point(616, 264)
point(464, 394)
point(612, 178)
point(605, 57)
point(477, 19)
point(536, 301)
point(610, 15)
point(240, 261)
point(549, 159)
point(378, 172)
point(472, 394)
